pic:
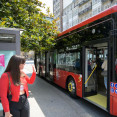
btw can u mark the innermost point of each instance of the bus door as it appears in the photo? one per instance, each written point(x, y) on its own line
point(90, 71)
point(95, 82)
point(49, 66)
point(41, 65)
point(37, 61)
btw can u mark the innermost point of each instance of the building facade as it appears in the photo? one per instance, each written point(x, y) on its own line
point(58, 13)
point(75, 11)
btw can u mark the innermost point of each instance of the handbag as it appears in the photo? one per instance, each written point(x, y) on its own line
point(104, 73)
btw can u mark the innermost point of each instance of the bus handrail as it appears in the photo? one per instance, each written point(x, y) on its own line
point(91, 74)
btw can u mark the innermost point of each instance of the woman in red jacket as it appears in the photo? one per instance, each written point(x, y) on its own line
point(14, 89)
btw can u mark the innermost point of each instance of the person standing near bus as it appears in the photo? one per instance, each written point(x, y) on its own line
point(104, 67)
point(98, 62)
point(98, 71)
point(14, 89)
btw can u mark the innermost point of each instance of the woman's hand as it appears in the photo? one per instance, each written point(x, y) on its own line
point(8, 114)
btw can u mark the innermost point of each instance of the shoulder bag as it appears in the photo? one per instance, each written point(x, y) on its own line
point(104, 73)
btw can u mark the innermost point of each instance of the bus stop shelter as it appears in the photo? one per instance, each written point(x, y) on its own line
point(9, 46)
point(10, 39)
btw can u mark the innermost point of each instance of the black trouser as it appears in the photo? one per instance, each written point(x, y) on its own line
point(21, 108)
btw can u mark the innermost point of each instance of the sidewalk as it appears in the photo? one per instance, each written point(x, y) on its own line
point(35, 110)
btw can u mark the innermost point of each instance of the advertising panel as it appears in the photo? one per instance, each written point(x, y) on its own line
point(4, 59)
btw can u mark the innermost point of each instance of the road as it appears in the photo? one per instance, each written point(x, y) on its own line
point(49, 100)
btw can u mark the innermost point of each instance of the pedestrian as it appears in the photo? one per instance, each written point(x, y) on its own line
point(104, 73)
point(98, 72)
point(98, 62)
point(14, 89)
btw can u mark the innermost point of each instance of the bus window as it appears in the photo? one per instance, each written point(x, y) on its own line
point(43, 58)
point(61, 61)
point(73, 62)
point(69, 61)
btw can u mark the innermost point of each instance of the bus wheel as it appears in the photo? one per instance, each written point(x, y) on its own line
point(71, 86)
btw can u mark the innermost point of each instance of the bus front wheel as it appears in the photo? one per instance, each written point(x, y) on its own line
point(71, 86)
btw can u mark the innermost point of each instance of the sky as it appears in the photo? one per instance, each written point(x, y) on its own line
point(49, 3)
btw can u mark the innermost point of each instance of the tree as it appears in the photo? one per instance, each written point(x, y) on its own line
point(39, 33)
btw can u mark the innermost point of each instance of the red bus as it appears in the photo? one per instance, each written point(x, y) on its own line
point(75, 63)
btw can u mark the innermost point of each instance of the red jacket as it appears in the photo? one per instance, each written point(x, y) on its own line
point(15, 90)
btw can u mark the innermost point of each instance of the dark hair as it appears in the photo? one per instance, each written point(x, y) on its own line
point(13, 67)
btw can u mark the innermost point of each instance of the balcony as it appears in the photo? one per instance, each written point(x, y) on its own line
point(82, 2)
point(85, 10)
point(105, 0)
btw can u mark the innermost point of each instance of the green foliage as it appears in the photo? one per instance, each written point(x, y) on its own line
point(39, 33)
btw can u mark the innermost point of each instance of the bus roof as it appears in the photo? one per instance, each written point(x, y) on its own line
point(98, 16)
